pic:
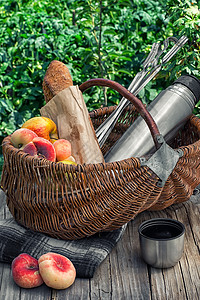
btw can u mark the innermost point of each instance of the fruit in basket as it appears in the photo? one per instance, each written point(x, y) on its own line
point(21, 137)
point(25, 271)
point(69, 161)
point(57, 271)
point(43, 127)
point(63, 149)
point(41, 147)
point(31, 149)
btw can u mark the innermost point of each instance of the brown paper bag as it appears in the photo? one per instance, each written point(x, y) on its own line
point(68, 110)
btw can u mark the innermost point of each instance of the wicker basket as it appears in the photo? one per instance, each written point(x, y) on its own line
point(72, 202)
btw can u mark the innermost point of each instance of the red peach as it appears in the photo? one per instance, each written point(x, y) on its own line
point(40, 146)
point(57, 271)
point(43, 127)
point(63, 149)
point(25, 271)
point(21, 137)
point(30, 148)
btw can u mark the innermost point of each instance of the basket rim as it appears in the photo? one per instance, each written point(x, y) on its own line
point(6, 145)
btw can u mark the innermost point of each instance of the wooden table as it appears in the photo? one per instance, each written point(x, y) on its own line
point(123, 275)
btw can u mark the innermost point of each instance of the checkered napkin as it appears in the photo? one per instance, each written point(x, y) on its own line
point(86, 254)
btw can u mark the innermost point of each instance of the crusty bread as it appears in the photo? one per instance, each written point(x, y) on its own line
point(56, 79)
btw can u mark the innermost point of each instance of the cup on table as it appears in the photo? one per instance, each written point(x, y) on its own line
point(161, 242)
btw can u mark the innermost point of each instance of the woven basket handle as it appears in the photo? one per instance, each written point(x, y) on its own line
point(133, 99)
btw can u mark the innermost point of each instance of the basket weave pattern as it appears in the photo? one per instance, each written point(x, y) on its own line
point(71, 202)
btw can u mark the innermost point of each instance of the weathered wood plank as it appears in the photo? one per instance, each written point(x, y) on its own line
point(39, 293)
point(78, 291)
point(100, 284)
point(2, 205)
point(8, 290)
point(129, 274)
point(166, 283)
point(182, 281)
point(11, 291)
point(190, 265)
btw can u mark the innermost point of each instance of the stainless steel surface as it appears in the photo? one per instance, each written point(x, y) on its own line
point(165, 249)
point(170, 110)
point(150, 69)
point(163, 161)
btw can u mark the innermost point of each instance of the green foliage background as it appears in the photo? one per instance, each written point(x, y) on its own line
point(107, 39)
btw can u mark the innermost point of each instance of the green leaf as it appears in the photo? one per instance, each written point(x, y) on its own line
point(125, 72)
point(5, 106)
point(109, 32)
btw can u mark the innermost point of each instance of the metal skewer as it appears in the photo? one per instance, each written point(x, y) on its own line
point(150, 69)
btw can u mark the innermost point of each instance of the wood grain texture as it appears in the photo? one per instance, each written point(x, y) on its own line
point(123, 274)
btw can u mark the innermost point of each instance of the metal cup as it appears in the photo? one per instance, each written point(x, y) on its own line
point(161, 242)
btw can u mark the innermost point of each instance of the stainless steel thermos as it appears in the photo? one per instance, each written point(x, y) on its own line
point(170, 110)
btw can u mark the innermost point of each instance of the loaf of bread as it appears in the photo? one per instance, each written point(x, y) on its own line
point(56, 79)
point(69, 112)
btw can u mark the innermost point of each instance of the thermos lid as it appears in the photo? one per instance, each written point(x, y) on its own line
point(192, 83)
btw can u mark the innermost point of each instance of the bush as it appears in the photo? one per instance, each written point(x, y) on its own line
point(107, 39)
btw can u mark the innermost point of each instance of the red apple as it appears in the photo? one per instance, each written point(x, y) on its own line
point(40, 146)
point(43, 127)
point(21, 137)
point(57, 271)
point(63, 149)
point(25, 271)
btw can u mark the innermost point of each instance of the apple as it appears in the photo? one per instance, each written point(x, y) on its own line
point(25, 271)
point(69, 161)
point(43, 127)
point(70, 158)
point(57, 271)
point(63, 149)
point(21, 137)
point(40, 146)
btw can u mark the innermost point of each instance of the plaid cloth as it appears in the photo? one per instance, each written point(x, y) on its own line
point(86, 254)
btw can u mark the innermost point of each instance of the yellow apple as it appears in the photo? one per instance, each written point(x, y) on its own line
point(43, 127)
point(69, 161)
